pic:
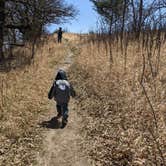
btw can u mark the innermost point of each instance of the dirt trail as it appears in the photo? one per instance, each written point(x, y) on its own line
point(62, 146)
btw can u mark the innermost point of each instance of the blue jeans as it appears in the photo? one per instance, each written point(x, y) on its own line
point(63, 110)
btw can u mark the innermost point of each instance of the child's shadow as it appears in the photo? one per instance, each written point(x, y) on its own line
point(51, 124)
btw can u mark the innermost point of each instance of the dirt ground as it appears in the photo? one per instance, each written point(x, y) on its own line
point(62, 147)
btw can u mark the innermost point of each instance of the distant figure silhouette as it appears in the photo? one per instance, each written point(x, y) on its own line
point(60, 35)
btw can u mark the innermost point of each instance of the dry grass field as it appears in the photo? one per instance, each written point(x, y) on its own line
point(23, 100)
point(119, 126)
point(119, 123)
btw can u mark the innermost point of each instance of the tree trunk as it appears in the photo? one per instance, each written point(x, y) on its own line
point(140, 18)
point(2, 19)
point(134, 26)
point(123, 24)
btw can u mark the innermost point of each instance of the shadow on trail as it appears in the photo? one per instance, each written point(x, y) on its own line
point(51, 124)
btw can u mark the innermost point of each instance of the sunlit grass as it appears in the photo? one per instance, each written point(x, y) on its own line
point(119, 121)
point(23, 100)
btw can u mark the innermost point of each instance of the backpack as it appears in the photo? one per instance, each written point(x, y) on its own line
point(62, 91)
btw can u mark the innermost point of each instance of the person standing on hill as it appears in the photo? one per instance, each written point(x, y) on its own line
point(60, 35)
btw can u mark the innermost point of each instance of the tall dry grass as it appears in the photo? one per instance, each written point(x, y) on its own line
point(119, 123)
point(23, 101)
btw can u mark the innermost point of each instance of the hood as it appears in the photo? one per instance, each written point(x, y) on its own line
point(61, 75)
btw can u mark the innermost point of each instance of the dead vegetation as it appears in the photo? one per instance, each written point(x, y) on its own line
point(124, 123)
point(23, 101)
point(120, 126)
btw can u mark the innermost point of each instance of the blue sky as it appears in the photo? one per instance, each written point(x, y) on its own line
point(85, 21)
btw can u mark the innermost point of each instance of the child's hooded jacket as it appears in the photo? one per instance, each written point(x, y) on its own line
point(61, 89)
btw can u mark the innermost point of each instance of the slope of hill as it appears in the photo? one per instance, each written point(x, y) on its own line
point(23, 100)
point(120, 125)
point(110, 121)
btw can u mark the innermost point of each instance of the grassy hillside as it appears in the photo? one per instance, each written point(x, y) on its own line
point(119, 122)
point(119, 125)
point(23, 101)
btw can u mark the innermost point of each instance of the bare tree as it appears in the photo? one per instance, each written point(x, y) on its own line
point(2, 18)
point(26, 19)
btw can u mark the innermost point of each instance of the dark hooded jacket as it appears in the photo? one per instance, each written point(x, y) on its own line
point(61, 89)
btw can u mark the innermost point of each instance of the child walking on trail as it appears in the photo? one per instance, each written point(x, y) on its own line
point(61, 90)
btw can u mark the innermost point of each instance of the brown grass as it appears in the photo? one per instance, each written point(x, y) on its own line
point(119, 123)
point(23, 101)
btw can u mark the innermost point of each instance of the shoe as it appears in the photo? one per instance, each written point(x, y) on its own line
point(64, 123)
point(58, 116)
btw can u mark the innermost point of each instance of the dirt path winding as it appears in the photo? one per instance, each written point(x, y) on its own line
point(62, 146)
